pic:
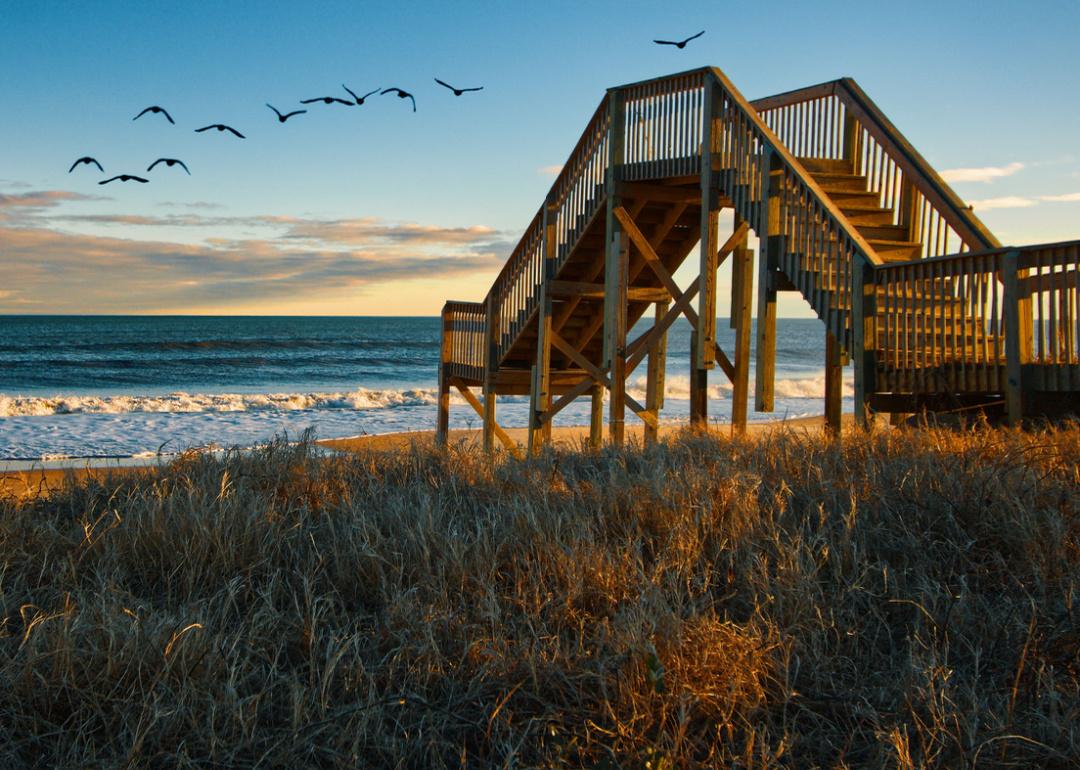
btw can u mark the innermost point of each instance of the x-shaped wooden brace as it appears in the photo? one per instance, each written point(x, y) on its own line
point(681, 298)
point(474, 402)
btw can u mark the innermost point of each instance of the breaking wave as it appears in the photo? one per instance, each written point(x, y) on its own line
point(179, 402)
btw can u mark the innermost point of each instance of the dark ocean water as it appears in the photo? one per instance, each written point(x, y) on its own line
point(95, 386)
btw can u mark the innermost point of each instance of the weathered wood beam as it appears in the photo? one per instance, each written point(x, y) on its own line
point(647, 252)
point(742, 276)
point(616, 269)
point(576, 357)
point(596, 417)
point(594, 272)
point(654, 376)
point(768, 264)
point(568, 398)
point(681, 303)
point(442, 424)
point(587, 290)
point(834, 379)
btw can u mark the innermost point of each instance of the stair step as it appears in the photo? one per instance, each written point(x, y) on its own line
point(888, 232)
point(826, 165)
point(831, 183)
point(855, 198)
point(896, 251)
point(859, 214)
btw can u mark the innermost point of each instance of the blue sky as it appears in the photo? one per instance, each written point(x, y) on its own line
point(338, 210)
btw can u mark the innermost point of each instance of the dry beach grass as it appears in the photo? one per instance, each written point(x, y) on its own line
point(900, 599)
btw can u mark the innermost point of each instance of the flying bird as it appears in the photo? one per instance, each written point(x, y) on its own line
point(87, 160)
point(400, 95)
point(359, 99)
point(125, 178)
point(170, 162)
point(458, 91)
point(220, 127)
point(327, 100)
point(679, 43)
point(282, 118)
point(154, 110)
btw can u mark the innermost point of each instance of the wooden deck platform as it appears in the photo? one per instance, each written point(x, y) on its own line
point(912, 289)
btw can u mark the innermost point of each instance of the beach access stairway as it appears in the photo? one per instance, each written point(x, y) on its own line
point(913, 291)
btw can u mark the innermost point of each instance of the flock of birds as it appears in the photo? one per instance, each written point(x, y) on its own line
point(355, 100)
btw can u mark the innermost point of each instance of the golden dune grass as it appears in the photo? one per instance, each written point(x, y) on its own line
point(902, 599)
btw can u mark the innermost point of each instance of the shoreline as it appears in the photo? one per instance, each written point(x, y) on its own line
point(42, 477)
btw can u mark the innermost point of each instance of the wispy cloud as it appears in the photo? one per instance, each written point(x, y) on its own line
point(40, 199)
point(288, 259)
point(1066, 198)
point(984, 174)
point(550, 170)
point(1004, 202)
point(197, 205)
point(1022, 202)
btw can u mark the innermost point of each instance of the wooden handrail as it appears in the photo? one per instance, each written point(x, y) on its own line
point(796, 168)
point(961, 216)
point(857, 106)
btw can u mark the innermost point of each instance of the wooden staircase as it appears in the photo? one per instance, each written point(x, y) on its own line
point(913, 290)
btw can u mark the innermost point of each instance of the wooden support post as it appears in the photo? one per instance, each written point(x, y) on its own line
point(699, 392)
point(768, 263)
point(1014, 333)
point(703, 353)
point(596, 418)
point(742, 276)
point(442, 426)
point(491, 368)
point(851, 142)
point(616, 269)
point(540, 389)
point(863, 325)
point(654, 378)
point(834, 378)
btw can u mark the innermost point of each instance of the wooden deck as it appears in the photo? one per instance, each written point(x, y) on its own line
point(912, 289)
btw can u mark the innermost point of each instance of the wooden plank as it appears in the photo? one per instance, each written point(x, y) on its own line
point(742, 272)
point(699, 395)
point(596, 418)
point(563, 289)
point(863, 312)
point(654, 376)
point(616, 269)
point(678, 308)
point(834, 379)
point(574, 355)
point(491, 370)
point(442, 423)
point(768, 263)
point(1014, 400)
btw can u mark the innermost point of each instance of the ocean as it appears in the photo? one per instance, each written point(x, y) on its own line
point(79, 388)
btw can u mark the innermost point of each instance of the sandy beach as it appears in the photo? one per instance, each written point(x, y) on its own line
point(36, 481)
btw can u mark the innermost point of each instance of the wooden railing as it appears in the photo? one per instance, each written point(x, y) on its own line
point(943, 324)
point(665, 123)
point(464, 340)
point(664, 126)
point(940, 324)
point(770, 189)
point(1048, 292)
point(979, 319)
point(838, 121)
